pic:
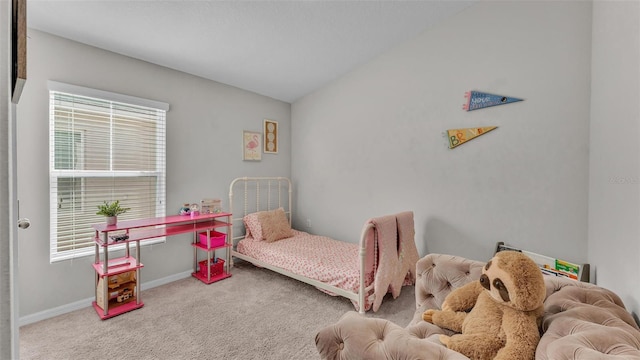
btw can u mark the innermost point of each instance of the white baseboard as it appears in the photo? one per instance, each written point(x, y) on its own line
point(81, 304)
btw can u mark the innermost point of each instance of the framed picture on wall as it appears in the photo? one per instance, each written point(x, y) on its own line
point(251, 146)
point(270, 136)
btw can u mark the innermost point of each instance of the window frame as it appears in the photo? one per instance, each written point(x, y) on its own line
point(159, 173)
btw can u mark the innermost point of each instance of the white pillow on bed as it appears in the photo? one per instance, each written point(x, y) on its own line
point(252, 225)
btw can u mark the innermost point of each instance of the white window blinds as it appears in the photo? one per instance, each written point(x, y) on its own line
point(101, 150)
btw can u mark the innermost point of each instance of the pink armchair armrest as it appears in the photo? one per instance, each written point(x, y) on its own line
point(355, 336)
point(437, 275)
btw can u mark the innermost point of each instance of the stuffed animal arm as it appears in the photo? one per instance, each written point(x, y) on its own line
point(455, 307)
point(463, 298)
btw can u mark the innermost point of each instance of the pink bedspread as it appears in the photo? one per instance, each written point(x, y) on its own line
point(316, 257)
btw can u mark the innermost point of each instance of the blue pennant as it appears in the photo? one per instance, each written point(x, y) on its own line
point(478, 100)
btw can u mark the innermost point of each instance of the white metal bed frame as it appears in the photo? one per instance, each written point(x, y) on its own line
point(275, 185)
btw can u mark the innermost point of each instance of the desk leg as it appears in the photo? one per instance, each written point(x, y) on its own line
point(105, 283)
point(138, 261)
point(195, 252)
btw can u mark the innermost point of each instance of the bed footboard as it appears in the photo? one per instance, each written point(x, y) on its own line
point(362, 253)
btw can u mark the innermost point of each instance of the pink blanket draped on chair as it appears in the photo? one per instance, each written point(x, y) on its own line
point(397, 254)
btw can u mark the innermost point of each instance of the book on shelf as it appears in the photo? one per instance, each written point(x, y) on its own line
point(548, 265)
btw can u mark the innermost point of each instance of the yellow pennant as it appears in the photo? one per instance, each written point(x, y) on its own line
point(460, 136)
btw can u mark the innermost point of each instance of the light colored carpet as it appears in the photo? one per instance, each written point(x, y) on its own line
point(255, 314)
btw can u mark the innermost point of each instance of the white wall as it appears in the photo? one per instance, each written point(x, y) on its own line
point(371, 142)
point(614, 176)
point(204, 153)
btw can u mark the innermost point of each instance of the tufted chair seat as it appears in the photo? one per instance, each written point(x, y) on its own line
point(581, 321)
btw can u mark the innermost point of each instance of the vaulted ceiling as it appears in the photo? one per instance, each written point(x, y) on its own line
point(281, 49)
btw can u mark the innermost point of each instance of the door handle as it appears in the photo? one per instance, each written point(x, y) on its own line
point(24, 223)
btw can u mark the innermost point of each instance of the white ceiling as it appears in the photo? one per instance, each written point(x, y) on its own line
point(281, 49)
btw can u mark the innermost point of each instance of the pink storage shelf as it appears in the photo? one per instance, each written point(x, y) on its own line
point(218, 277)
point(204, 247)
point(143, 229)
point(117, 266)
point(185, 225)
point(162, 220)
point(117, 310)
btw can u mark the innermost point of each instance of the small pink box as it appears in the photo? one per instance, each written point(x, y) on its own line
point(216, 238)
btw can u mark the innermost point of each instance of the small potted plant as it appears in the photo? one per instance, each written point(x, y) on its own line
point(111, 211)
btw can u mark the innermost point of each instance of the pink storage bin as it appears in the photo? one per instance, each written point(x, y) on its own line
point(216, 267)
point(217, 238)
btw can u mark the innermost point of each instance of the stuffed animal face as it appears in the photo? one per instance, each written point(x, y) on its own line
point(513, 279)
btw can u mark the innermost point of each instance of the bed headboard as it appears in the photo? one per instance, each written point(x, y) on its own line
point(251, 194)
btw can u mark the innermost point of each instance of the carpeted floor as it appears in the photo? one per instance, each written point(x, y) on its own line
point(255, 314)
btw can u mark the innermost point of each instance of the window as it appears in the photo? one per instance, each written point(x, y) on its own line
point(103, 147)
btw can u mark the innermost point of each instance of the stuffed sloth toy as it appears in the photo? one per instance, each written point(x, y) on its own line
point(498, 316)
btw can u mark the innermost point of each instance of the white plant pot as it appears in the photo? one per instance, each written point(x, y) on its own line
point(112, 220)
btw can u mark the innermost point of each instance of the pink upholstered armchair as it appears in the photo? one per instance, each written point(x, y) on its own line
point(581, 321)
